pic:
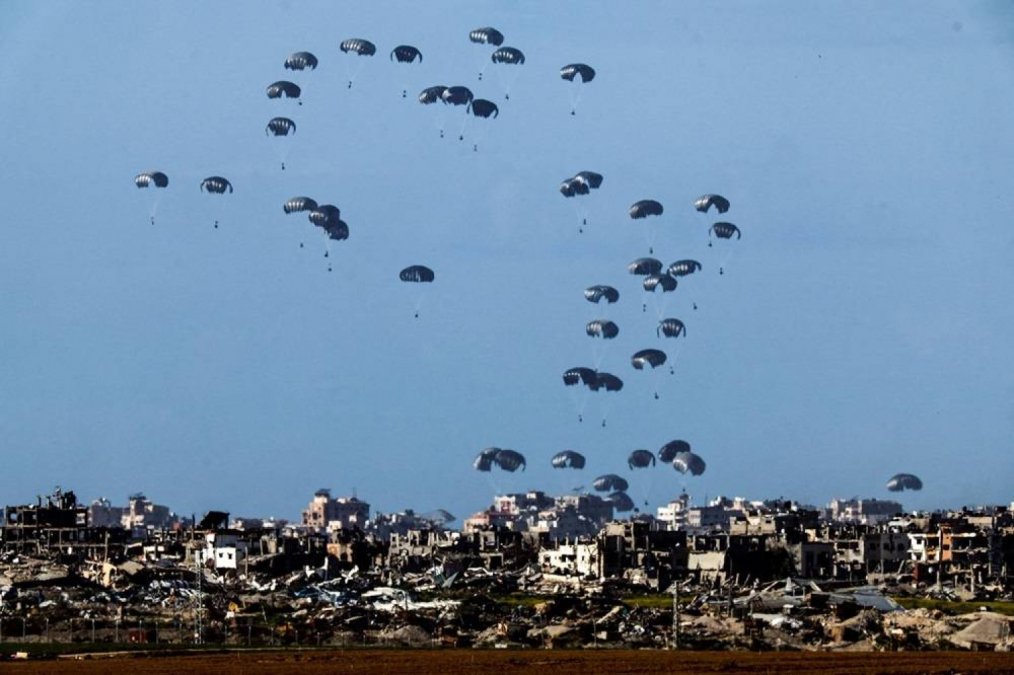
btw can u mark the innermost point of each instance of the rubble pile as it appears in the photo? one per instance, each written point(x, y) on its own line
point(341, 579)
point(177, 605)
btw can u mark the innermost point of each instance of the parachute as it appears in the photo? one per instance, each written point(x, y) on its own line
point(568, 459)
point(487, 36)
point(610, 482)
point(597, 292)
point(151, 178)
point(457, 95)
point(216, 184)
point(904, 481)
point(581, 184)
point(511, 57)
point(297, 204)
point(724, 230)
point(685, 462)
point(582, 375)
point(484, 460)
point(645, 266)
point(432, 94)
point(682, 268)
point(328, 218)
point(705, 202)
point(301, 61)
point(325, 215)
point(157, 179)
point(621, 501)
point(283, 88)
point(671, 328)
point(606, 381)
point(663, 281)
point(593, 180)
point(648, 358)
point(280, 126)
point(667, 453)
point(644, 208)
point(510, 460)
point(358, 46)
point(405, 54)
point(572, 187)
point(337, 231)
point(480, 107)
point(602, 328)
point(508, 55)
point(580, 70)
point(416, 273)
point(576, 73)
point(641, 459)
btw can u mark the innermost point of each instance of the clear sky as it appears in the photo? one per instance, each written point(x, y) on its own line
point(858, 330)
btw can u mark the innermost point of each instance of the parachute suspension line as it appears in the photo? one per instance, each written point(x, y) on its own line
point(461, 130)
point(352, 72)
point(575, 96)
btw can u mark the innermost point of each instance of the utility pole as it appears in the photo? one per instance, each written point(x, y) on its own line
point(674, 588)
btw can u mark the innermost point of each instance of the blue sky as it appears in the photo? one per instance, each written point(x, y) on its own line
point(858, 330)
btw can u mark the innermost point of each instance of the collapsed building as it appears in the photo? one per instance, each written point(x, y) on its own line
point(63, 564)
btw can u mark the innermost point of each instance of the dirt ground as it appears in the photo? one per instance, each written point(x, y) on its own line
point(583, 662)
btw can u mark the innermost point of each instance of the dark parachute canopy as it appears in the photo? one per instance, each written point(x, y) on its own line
point(510, 460)
point(581, 184)
point(572, 187)
point(568, 459)
point(646, 358)
point(216, 184)
point(671, 328)
point(484, 460)
point(705, 202)
point(606, 381)
point(685, 462)
point(508, 55)
point(609, 482)
point(724, 230)
point(602, 328)
point(480, 107)
point(358, 46)
point(416, 273)
point(621, 501)
point(486, 36)
point(645, 266)
point(667, 453)
point(594, 180)
point(644, 208)
point(582, 70)
point(338, 231)
point(301, 61)
point(682, 268)
point(904, 481)
point(599, 291)
point(324, 215)
point(283, 88)
point(655, 281)
point(579, 375)
point(328, 218)
point(297, 204)
point(457, 95)
point(641, 459)
point(151, 179)
point(405, 54)
point(432, 94)
point(280, 126)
